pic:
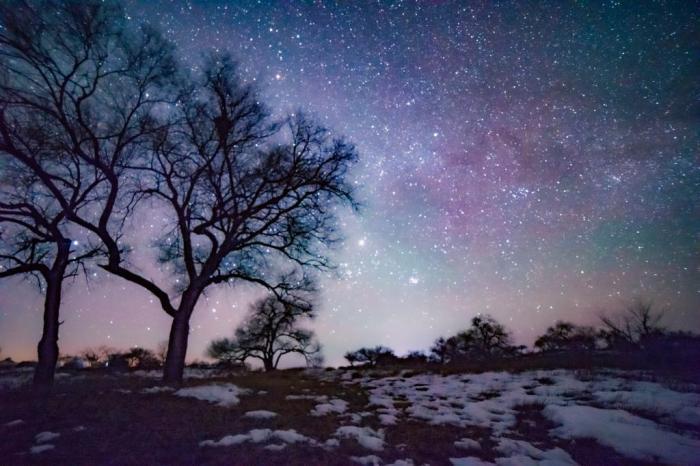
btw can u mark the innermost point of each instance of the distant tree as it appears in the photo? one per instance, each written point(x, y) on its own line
point(488, 336)
point(99, 356)
point(226, 351)
point(565, 336)
point(162, 351)
point(91, 356)
point(439, 351)
point(630, 328)
point(141, 358)
point(415, 357)
point(351, 357)
point(370, 356)
point(271, 331)
point(117, 362)
point(485, 338)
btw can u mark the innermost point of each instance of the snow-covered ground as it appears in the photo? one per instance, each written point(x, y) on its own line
point(222, 394)
point(639, 419)
point(630, 413)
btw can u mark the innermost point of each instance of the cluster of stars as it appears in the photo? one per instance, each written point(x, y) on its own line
point(535, 162)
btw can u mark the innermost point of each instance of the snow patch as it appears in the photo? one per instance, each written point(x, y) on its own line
point(469, 461)
point(43, 437)
point(258, 436)
point(372, 460)
point(223, 395)
point(335, 405)
point(260, 414)
point(40, 448)
point(630, 435)
point(365, 436)
point(468, 444)
point(157, 389)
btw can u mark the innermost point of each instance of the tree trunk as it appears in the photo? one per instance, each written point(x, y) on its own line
point(269, 364)
point(177, 343)
point(47, 349)
point(177, 349)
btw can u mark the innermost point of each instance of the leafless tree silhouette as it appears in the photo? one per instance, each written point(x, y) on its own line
point(270, 332)
point(629, 328)
point(248, 199)
point(35, 242)
point(371, 356)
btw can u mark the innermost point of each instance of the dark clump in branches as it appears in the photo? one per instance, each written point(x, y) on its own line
point(270, 332)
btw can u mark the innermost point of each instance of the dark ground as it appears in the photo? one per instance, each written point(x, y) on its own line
point(143, 429)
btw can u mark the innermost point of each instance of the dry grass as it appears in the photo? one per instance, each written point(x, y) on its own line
point(137, 429)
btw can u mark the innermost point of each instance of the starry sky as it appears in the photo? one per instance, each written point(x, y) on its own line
point(531, 160)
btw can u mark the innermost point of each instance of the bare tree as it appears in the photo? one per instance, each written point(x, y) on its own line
point(35, 242)
point(489, 336)
point(485, 338)
point(269, 333)
point(226, 351)
point(370, 356)
point(246, 200)
point(632, 326)
point(77, 89)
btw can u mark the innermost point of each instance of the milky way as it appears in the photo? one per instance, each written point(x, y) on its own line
point(534, 162)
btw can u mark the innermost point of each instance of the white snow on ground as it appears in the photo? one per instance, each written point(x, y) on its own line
point(16, 422)
point(371, 460)
point(275, 446)
point(43, 437)
point(468, 444)
point(365, 436)
point(221, 394)
point(491, 400)
point(157, 389)
point(336, 405)
point(188, 373)
point(519, 452)
point(388, 414)
point(257, 436)
point(14, 380)
point(260, 414)
point(39, 448)
point(656, 399)
point(469, 461)
point(630, 435)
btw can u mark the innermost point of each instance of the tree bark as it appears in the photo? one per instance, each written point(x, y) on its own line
point(177, 343)
point(269, 364)
point(177, 349)
point(47, 349)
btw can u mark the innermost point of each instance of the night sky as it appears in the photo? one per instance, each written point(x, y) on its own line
point(533, 161)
